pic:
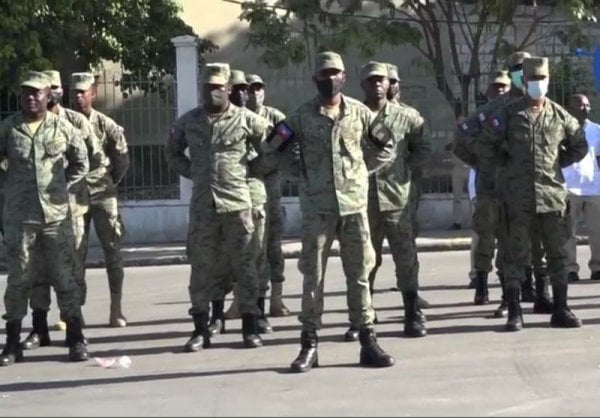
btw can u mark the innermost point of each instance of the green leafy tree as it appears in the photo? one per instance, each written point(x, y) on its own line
point(73, 35)
point(290, 31)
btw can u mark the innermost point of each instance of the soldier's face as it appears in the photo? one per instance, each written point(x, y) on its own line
point(580, 108)
point(34, 101)
point(330, 82)
point(375, 87)
point(256, 95)
point(239, 95)
point(84, 98)
point(496, 90)
point(394, 90)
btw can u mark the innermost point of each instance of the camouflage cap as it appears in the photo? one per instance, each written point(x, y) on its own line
point(373, 68)
point(536, 66)
point(54, 77)
point(36, 80)
point(392, 72)
point(237, 78)
point(517, 58)
point(501, 77)
point(216, 73)
point(329, 60)
point(82, 81)
point(254, 79)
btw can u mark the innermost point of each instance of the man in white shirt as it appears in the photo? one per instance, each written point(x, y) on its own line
point(583, 184)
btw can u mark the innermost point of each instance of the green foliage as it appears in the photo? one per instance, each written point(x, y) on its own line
point(570, 76)
point(75, 34)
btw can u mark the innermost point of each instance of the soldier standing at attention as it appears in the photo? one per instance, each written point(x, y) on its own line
point(222, 140)
point(389, 190)
point(275, 260)
point(536, 136)
point(104, 208)
point(79, 204)
point(336, 147)
point(46, 156)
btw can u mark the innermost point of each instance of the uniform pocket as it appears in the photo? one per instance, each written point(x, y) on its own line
point(55, 147)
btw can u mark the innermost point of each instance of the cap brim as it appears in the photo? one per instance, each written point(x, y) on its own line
point(331, 67)
point(82, 86)
point(376, 74)
point(34, 85)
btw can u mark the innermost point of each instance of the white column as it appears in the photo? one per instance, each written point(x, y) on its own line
point(186, 49)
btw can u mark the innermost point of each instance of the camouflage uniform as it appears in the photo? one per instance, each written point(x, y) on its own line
point(36, 211)
point(334, 158)
point(221, 206)
point(390, 193)
point(79, 205)
point(533, 150)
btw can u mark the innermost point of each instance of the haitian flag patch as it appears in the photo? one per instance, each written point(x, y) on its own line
point(380, 134)
point(281, 136)
point(496, 123)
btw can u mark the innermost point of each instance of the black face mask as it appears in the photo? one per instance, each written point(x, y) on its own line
point(330, 87)
point(239, 97)
point(215, 99)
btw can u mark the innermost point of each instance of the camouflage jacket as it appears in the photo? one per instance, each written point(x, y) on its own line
point(114, 146)
point(80, 198)
point(390, 186)
point(470, 147)
point(41, 168)
point(535, 149)
point(336, 156)
point(220, 152)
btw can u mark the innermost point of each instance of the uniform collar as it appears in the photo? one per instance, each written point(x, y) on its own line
point(344, 111)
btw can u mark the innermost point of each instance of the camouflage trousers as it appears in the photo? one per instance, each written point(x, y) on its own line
point(274, 227)
point(396, 226)
point(528, 234)
point(356, 251)
point(416, 191)
point(489, 224)
point(211, 236)
point(223, 278)
point(52, 242)
point(40, 290)
point(110, 230)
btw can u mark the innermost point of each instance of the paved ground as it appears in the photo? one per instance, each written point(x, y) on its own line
point(465, 367)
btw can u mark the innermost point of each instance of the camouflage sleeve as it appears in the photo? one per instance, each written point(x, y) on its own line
point(278, 116)
point(77, 156)
point(492, 143)
point(175, 150)
point(117, 151)
point(376, 152)
point(259, 128)
point(465, 139)
point(419, 146)
point(94, 149)
point(574, 147)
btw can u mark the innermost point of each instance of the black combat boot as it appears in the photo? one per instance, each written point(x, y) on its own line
point(413, 327)
point(12, 352)
point(262, 322)
point(527, 292)
point(308, 357)
point(515, 316)
point(502, 310)
point(250, 331)
point(562, 317)
point(370, 353)
point(351, 334)
point(40, 335)
point(200, 337)
point(217, 319)
point(77, 344)
point(481, 289)
point(543, 303)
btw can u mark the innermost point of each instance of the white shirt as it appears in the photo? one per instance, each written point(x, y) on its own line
point(471, 184)
point(583, 177)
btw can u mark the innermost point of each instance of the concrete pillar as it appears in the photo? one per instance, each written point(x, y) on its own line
point(186, 49)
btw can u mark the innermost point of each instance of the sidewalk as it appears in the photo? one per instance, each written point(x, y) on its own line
point(174, 253)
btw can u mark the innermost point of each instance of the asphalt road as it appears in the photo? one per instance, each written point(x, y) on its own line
point(466, 366)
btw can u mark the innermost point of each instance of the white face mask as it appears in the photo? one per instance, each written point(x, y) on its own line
point(537, 89)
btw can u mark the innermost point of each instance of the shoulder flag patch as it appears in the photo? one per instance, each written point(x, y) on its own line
point(281, 136)
point(481, 117)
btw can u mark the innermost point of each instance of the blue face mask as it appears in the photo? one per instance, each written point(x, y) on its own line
point(537, 89)
point(517, 78)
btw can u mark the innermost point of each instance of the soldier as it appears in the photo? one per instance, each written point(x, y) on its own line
point(389, 191)
point(79, 203)
point(275, 260)
point(394, 95)
point(223, 282)
point(239, 88)
point(46, 156)
point(104, 208)
point(222, 139)
point(335, 146)
point(535, 136)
